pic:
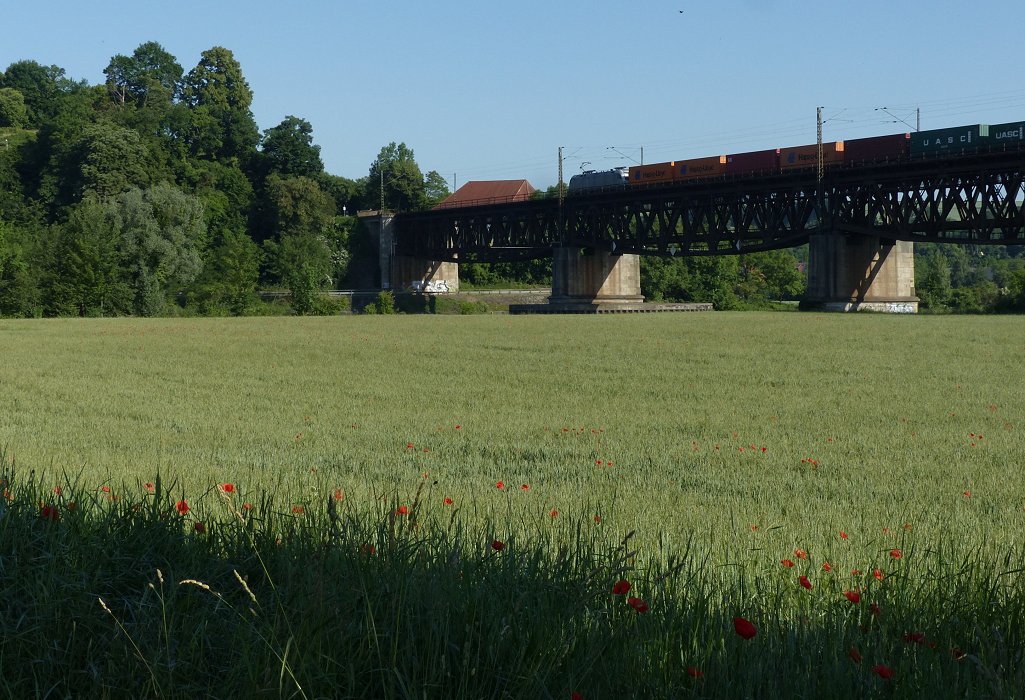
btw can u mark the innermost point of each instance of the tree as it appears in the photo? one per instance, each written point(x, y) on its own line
point(151, 74)
point(221, 125)
point(288, 149)
point(87, 276)
point(396, 175)
point(112, 160)
point(297, 206)
point(435, 188)
point(18, 285)
point(932, 279)
point(161, 235)
point(302, 263)
point(231, 278)
point(12, 108)
point(40, 86)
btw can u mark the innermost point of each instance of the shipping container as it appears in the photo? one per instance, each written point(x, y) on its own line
point(956, 139)
point(808, 156)
point(712, 166)
point(650, 174)
point(753, 162)
point(877, 149)
point(1012, 134)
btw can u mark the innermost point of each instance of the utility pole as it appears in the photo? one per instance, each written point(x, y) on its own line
point(918, 118)
point(382, 190)
point(818, 120)
point(560, 193)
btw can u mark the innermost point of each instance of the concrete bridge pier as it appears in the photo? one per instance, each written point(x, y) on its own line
point(399, 272)
point(593, 277)
point(854, 272)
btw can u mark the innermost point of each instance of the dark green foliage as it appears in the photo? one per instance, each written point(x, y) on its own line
point(88, 277)
point(302, 264)
point(221, 123)
point(288, 149)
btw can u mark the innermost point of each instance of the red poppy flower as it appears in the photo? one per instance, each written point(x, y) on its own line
point(896, 553)
point(48, 512)
point(369, 549)
point(693, 672)
point(339, 494)
point(524, 487)
point(575, 696)
point(500, 485)
point(402, 510)
point(448, 501)
point(149, 487)
point(967, 494)
point(228, 488)
point(805, 583)
point(800, 554)
point(878, 575)
point(754, 528)
point(199, 527)
point(554, 513)
point(247, 506)
point(637, 604)
point(182, 506)
point(497, 545)
point(855, 572)
point(854, 655)
point(843, 535)
point(458, 427)
point(57, 490)
point(744, 628)
point(105, 489)
point(787, 563)
point(597, 462)
point(597, 518)
point(621, 587)
point(298, 510)
point(883, 671)
point(826, 567)
point(853, 596)
point(409, 445)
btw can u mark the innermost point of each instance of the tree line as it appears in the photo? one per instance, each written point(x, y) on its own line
point(156, 191)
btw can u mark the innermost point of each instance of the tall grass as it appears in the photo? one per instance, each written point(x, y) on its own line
point(722, 444)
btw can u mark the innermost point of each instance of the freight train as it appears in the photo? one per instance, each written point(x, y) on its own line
point(876, 149)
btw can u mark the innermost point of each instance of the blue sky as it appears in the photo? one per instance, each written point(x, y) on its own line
point(486, 90)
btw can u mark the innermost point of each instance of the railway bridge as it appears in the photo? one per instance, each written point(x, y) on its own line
point(860, 221)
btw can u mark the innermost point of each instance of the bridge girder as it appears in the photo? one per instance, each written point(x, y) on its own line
point(974, 199)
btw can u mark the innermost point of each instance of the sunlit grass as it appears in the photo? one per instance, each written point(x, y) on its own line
point(725, 442)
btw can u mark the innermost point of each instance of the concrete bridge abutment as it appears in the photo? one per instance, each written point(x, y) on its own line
point(400, 272)
point(855, 272)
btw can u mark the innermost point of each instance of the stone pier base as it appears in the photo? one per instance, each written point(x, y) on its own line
point(594, 277)
point(860, 273)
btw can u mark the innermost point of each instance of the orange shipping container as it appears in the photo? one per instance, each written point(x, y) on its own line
point(808, 156)
point(647, 174)
point(713, 166)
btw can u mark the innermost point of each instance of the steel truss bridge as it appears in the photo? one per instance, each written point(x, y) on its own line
point(977, 198)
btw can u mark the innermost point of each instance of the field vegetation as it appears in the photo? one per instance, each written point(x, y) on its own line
point(706, 505)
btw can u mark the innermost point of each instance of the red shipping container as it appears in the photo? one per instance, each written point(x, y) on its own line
point(649, 174)
point(753, 162)
point(712, 166)
point(893, 147)
point(808, 156)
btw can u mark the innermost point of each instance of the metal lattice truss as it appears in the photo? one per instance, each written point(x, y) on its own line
point(978, 199)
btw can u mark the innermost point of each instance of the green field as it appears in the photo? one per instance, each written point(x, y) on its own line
point(726, 442)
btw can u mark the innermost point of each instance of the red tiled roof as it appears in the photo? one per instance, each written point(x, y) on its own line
point(488, 192)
